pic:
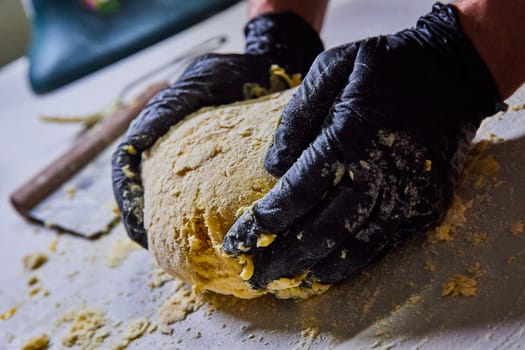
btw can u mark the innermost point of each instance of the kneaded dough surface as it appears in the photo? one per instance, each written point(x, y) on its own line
point(196, 180)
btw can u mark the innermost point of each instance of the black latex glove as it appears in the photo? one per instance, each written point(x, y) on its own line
point(371, 146)
point(284, 39)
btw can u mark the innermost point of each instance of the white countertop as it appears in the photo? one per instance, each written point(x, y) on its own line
point(373, 310)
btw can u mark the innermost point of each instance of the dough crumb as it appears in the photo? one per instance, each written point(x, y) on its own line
point(70, 191)
point(130, 149)
point(430, 265)
point(53, 245)
point(115, 210)
point(165, 329)
point(495, 138)
point(87, 330)
point(310, 332)
point(476, 238)
point(462, 285)
point(517, 228)
point(34, 261)
point(248, 268)
point(153, 329)
point(127, 171)
point(183, 302)
point(32, 281)
point(459, 285)
point(442, 233)
point(518, 107)
point(8, 314)
point(160, 278)
point(34, 291)
point(279, 80)
point(428, 165)
point(454, 218)
point(40, 342)
point(308, 336)
point(480, 168)
point(265, 240)
point(415, 298)
point(136, 330)
point(476, 271)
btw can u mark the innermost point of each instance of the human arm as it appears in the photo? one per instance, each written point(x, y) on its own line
point(369, 150)
point(496, 29)
point(312, 11)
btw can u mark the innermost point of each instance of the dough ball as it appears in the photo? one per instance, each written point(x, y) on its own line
point(197, 180)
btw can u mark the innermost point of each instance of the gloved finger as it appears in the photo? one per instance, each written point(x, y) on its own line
point(370, 243)
point(336, 219)
point(303, 186)
point(153, 122)
point(387, 225)
point(302, 118)
point(128, 191)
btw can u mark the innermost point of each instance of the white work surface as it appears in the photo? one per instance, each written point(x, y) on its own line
point(396, 303)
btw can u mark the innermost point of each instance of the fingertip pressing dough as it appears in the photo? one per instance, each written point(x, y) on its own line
point(197, 179)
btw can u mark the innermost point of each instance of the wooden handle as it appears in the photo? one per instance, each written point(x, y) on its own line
point(85, 149)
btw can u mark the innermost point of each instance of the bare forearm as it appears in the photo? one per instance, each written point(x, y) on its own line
point(311, 10)
point(497, 29)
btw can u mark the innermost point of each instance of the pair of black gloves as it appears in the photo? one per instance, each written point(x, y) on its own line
point(368, 150)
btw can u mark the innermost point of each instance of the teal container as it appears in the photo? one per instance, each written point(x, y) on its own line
point(70, 41)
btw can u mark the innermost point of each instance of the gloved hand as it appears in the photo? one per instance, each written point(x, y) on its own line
point(283, 38)
point(371, 146)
